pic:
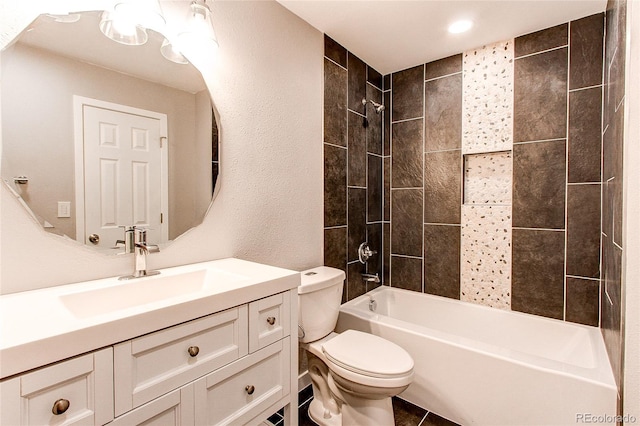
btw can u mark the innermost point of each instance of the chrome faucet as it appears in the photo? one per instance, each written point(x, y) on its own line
point(140, 249)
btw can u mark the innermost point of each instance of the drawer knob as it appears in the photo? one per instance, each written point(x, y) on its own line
point(271, 320)
point(250, 389)
point(193, 351)
point(60, 406)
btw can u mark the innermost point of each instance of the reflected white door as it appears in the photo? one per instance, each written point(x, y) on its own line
point(123, 175)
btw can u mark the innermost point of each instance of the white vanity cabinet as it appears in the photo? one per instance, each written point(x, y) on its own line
point(202, 372)
point(78, 391)
point(223, 354)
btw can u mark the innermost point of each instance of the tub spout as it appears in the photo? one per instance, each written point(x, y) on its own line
point(371, 278)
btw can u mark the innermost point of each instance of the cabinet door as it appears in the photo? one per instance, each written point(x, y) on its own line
point(268, 320)
point(157, 363)
point(172, 409)
point(235, 394)
point(79, 391)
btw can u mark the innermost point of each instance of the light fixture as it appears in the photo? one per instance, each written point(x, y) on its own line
point(460, 26)
point(127, 23)
point(171, 53)
point(198, 34)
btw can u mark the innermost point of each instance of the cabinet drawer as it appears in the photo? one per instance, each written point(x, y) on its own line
point(85, 383)
point(268, 320)
point(157, 363)
point(172, 409)
point(237, 393)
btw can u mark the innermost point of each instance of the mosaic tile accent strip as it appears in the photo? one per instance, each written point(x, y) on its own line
point(488, 178)
point(486, 256)
point(487, 98)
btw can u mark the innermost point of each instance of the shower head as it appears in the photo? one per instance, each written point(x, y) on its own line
point(378, 107)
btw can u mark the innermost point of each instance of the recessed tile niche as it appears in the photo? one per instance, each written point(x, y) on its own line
point(488, 178)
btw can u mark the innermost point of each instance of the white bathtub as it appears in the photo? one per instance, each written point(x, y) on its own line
point(476, 365)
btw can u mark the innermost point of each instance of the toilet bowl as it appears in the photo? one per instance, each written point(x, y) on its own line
point(353, 374)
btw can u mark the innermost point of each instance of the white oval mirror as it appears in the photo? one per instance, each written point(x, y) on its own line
point(98, 135)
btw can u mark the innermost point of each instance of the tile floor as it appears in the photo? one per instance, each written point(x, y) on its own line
point(406, 414)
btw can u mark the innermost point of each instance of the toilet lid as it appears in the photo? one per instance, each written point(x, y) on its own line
point(368, 355)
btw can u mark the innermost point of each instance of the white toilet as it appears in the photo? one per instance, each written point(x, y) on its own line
point(353, 374)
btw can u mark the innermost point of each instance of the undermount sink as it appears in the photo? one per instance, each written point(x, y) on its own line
point(142, 291)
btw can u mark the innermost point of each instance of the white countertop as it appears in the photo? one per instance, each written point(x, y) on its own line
point(43, 326)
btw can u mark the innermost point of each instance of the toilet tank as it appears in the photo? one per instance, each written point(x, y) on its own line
point(319, 298)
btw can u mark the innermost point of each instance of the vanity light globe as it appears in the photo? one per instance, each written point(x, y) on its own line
point(170, 52)
point(198, 38)
point(122, 29)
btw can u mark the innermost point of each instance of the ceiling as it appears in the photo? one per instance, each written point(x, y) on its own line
point(392, 35)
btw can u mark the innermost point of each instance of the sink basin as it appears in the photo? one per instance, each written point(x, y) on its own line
point(142, 291)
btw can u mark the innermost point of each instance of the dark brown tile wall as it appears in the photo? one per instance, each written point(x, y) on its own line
point(357, 71)
point(540, 96)
point(406, 157)
point(586, 51)
point(542, 40)
point(442, 187)
point(581, 295)
point(409, 183)
point(583, 231)
point(354, 175)
point(443, 113)
point(406, 272)
point(611, 313)
point(585, 140)
point(357, 150)
point(335, 104)
point(442, 67)
point(406, 226)
point(539, 184)
point(442, 260)
point(537, 285)
point(408, 87)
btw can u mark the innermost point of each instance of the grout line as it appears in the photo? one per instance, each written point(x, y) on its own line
point(406, 256)
point(442, 224)
point(375, 155)
point(423, 419)
point(545, 51)
point(441, 150)
point(583, 183)
point(335, 227)
point(356, 113)
point(616, 244)
point(356, 187)
point(538, 229)
point(423, 143)
point(374, 86)
point(542, 140)
point(566, 177)
point(585, 88)
point(332, 61)
point(620, 103)
point(399, 189)
point(310, 398)
point(407, 119)
point(442, 76)
point(334, 145)
point(346, 242)
point(583, 278)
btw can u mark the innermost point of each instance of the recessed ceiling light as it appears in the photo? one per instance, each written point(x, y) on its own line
point(460, 26)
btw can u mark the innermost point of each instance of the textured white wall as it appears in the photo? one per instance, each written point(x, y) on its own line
point(267, 87)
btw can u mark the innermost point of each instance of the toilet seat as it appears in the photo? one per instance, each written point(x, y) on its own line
point(368, 359)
